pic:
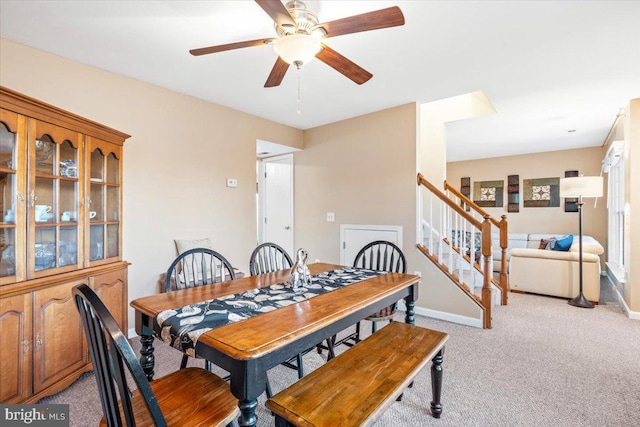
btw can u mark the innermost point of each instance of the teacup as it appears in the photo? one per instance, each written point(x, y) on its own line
point(69, 216)
point(41, 212)
point(92, 214)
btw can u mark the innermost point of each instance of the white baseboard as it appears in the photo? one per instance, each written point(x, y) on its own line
point(630, 314)
point(131, 333)
point(442, 315)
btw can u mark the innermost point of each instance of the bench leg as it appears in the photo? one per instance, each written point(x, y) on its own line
point(281, 422)
point(436, 384)
point(330, 344)
point(300, 366)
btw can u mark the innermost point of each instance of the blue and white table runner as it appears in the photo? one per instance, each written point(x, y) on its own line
point(181, 327)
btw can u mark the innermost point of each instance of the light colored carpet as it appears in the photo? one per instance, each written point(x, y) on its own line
point(544, 363)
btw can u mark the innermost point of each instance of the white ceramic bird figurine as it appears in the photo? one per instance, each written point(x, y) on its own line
point(299, 275)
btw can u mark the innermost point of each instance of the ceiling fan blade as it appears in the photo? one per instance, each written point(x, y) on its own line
point(383, 18)
point(343, 65)
point(230, 46)
point(277, 73)
point(277, 11)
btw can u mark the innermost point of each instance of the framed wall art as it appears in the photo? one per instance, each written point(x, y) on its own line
point(489, 194)
point(513, 193)
point(541, 193)
point(570, 203)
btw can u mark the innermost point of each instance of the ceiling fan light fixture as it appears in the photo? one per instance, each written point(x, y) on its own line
point(297, 48)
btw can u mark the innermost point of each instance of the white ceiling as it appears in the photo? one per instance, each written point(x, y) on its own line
point(547, 66)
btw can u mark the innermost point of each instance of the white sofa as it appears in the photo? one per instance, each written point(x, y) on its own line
point(515, 240)
point(554, 273)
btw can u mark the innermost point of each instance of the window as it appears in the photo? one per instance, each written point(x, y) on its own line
point(613, 165)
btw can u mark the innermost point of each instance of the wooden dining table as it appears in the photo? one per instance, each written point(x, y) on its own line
point(247, 349)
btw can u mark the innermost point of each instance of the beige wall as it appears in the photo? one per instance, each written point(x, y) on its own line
point(541, 165)
point(364, 170)
point(181, 151)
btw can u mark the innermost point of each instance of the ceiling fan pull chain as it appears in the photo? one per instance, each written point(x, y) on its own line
point(299, 73)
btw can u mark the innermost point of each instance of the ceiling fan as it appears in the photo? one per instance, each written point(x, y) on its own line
point(300, 38)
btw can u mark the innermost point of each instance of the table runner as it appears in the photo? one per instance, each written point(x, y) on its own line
point(180, 327)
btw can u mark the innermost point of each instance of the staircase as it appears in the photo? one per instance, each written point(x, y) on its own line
point(456, 237)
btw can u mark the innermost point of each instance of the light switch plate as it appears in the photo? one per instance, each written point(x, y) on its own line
point(232, 182)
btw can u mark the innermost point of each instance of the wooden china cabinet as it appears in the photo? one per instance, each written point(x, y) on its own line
point(60, 225)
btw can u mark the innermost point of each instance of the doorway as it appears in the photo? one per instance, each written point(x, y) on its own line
point(275, 201)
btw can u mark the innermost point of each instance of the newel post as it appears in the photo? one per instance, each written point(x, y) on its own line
point(504, 243)
point(486, 283)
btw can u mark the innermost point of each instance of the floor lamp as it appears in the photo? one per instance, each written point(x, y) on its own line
point(581, 186)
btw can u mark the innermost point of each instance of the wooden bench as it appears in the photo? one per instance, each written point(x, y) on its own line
point(356, 387)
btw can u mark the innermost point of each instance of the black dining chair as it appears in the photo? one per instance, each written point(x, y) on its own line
point(176, 399)
point(197, 267)
point(269, 257)
point(379, 255)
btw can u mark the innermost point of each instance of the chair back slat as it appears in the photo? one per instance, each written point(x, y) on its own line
point(198, 267)
point(269, 257)
point(381, 256)
point(111, 353)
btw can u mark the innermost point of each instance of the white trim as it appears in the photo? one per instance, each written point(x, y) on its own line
point(630, 314)
point(635, 315)
point(616, 271)
point(131, 333)
point(261, 197)
point(343, 227)
point(441, 315)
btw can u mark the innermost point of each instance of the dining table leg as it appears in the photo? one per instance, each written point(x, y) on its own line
point(248, 382)
point(247, 416)
point(410, 303)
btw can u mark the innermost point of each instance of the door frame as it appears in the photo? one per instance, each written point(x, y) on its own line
point(262, 198)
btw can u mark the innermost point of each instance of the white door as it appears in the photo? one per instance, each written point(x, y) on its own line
point(277, 201)
point(353, 237)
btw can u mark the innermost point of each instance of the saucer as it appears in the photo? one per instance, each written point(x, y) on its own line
point(45, 218)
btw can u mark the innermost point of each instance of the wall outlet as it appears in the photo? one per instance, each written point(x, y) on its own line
point(331, 216)
point(232, 182)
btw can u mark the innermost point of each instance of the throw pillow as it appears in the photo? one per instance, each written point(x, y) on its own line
point(543, 244)
point(551, 244)
point(185, 245)
point(564, 243)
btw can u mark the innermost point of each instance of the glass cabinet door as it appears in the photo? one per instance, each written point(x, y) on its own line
point(13, 130)
point(105, 201)
point(54, 214)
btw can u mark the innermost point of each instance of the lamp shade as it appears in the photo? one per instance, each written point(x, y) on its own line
point(297, 47)
point(581, 186)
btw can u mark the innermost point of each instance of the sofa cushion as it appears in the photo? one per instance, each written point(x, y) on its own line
point(515, 240)
point(535, 238)
point(557, 255)
point(589, 245)
point(563, 244)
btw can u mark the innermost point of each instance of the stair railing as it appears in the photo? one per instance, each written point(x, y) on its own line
point(502, 231)
point(456, 242)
